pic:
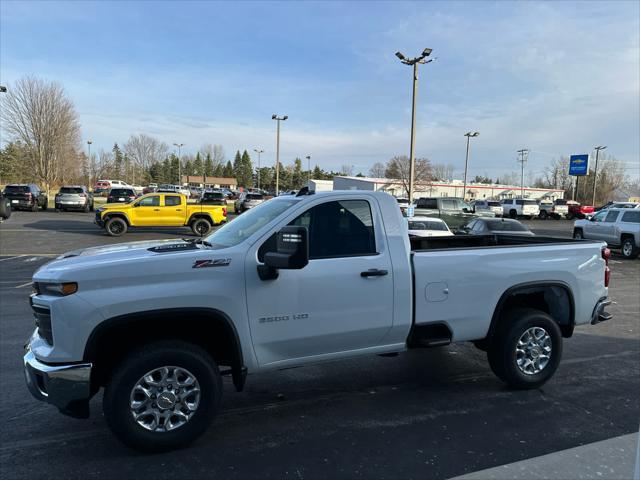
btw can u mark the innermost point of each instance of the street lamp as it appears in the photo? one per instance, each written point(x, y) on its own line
point(595, 174)
point(466, 162)
point(259, 152)
point(524, 155)
point(308, 157)
point(414, 62)
point(179, 145)
point(278, 119)
point(89, 142)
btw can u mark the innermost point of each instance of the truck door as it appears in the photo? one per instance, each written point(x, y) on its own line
point(593, 229)
point(329, 306)
point(145, 211)
point(174, 210)
point(608, 228)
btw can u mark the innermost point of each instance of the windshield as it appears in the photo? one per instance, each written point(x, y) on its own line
point(427, 225)
point(248, 223)
point(502, 226)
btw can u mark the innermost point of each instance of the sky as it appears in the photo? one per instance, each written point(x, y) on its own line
point(557, 78)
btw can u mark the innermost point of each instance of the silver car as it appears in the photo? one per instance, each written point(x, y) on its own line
point(480, 206)
point(619, 227)
point(248, 200)
point(74, 197)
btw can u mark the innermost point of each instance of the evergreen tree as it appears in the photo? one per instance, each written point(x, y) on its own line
point(118, 161)
point(208, 166)
point(228, 170)
point(237, 167)
point(218, 170)
point(165, 171)
point(246, 170)
point(174, 170)
point(297, 178)
point(187, 168)
point(317, 173)
point(197, 165)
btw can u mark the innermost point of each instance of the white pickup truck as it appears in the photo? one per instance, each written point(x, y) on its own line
point(294, 281)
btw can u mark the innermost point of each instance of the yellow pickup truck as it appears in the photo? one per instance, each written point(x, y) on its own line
point(159, 210)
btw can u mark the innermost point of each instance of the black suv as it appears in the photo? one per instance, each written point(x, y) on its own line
point(27, 196)
point(121, 195)
point(213, 198)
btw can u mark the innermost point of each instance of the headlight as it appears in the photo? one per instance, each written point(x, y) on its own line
point(55, 289)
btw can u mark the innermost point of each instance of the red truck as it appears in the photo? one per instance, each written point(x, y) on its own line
point(579, 211)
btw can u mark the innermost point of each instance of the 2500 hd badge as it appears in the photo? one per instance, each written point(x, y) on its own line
point(284, 318)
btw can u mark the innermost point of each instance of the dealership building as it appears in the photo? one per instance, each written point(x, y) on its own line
point(454, 188)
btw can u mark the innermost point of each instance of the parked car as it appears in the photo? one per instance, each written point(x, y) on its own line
point(427, 227)
point(487, 205)
point(269, 291)
point(121, 195)
point(213, 198)
point(404, 205)
point(556, 209)
point(520, 207)
point(149, 189)
point(74, 197)
point(561, 207)
point(103, 186)
point(619, 205)
point(579, 211)
point(494, 226)
point(5, 207)
point(453, 211)
point(159, 210)
point(166, 188)
point(619, 227)
point(247, 200)
point(27, 196)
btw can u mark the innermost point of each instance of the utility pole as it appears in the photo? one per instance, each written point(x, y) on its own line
point(524, 155)
point(89, 142)
point(278, 119)
point(259, 152)
point(308, 157)
point(414, 62)
point(466, 162)
point(179, 145)
point(595, 173)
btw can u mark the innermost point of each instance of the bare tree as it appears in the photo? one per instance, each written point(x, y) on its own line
point(346, 170)
point(143, 151)
point(43, 118)
point(398, 168)
point(216, 153)
point(512, 178)
point(442, 172)
point(377, 170)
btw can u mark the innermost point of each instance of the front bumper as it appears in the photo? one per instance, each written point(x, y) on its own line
point(599, 315)
point(68, 387)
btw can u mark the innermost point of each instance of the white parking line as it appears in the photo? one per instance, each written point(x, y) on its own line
point(11, 258)
point(24, 285)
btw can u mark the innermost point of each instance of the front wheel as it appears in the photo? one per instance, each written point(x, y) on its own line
point(526, 350)
point(44, 206)
point(513, 214)
point(577, 234)
point(163, 396)
point(628, 248)
point(543, 215)
point(116, 227)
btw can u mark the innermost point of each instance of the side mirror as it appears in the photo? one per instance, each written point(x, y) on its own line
point(292, 252)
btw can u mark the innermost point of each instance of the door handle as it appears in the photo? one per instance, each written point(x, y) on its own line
point(178, 209)
point(374, 272)
point(156, 209)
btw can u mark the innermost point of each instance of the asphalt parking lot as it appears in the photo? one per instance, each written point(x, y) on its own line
point(432, 413)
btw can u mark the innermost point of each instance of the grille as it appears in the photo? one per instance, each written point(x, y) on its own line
point(43, 323)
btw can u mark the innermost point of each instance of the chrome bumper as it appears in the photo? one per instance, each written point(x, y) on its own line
point(68, 387)
point(599, 315)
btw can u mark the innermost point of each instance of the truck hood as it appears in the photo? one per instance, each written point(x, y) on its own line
point(127, 247)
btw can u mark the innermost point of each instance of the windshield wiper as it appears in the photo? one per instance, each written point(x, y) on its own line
point(198, 241)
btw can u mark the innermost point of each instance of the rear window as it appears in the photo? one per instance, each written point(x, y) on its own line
point(71, 190)
point(526, 202)
point(561, 201)
point(254, 196)
point(424, 225)
point(631, 217)
point(172, 200)
point(500, 226)
point(428, 203)
point(123, 192)
point(493, 204)
point(213, 196)
point(17, 189)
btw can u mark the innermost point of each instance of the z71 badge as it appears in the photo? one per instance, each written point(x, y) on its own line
point(216, 262)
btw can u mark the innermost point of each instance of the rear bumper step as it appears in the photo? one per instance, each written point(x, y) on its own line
point(599, 315)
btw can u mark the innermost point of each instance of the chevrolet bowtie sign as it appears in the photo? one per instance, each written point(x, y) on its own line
point(579, 165)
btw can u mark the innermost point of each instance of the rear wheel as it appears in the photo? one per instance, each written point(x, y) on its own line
point(629, 249)
point(86, 208)
point(163, 396)
point(577, 234)
point(44, 206)
point(513, 214)
point(544, 214)
point(91, 208)
point(526, 350)
point(34, 207)
point(200, 226)
point(116, 226)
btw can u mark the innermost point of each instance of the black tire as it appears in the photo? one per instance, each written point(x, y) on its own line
point(513, 214)
point(628, 248)
point(578, 234)
point(91, 208)
point(544, 215)
point(115, 227)
point(5, 208)
point(34, 207)
point(569, 216)
point(44, 206)
point(116, 401)
point(86, 208)
point(502, 354)
point(201, 226)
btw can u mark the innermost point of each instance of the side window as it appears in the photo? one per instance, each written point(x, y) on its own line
point(449, 204)
point(478, 227)
point(519, 202)
point(631, 217)
point(472, 225)
point(153, 201)
point(611, 217)
point(599, 217)
point(172, 201)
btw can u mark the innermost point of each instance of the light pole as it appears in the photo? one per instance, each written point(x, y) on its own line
point(278, 119)
point(595, 174)
point(179, 145)
point(308, 157)
point(259, 152)
point(89, 142)
point(414, 62)
point(524, 154)
point(466, 162)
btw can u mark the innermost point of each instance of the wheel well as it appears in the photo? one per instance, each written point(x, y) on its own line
point(196, 216)
point(624, 236)
point(117, 214)
point(208, 328)
point(552, 298)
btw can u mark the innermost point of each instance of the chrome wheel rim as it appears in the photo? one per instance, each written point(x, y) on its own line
point(164, 399)
point(627, 248)
point(533, 350)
